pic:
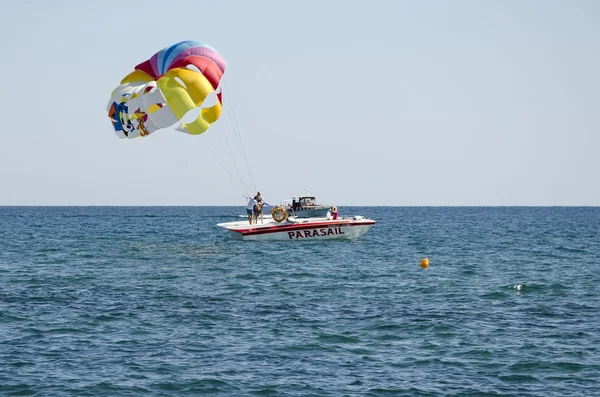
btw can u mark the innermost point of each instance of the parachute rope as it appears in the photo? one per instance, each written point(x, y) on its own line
point(229, 152)
point(232, 175)
point(231, 155)
point(237, 131)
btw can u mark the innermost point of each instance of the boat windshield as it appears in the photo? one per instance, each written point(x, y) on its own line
point(307, 201)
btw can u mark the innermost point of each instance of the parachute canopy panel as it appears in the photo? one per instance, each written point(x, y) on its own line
point(162, 90)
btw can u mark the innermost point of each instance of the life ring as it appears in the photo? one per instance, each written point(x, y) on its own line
point(279, 214)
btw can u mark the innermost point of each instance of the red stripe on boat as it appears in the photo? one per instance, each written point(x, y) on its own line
point(296, 227)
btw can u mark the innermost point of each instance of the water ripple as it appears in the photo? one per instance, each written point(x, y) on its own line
point(104, 301)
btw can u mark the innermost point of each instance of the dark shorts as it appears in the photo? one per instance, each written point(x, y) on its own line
point(249, 212)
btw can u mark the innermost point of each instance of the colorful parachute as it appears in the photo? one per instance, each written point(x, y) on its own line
point(162, 91)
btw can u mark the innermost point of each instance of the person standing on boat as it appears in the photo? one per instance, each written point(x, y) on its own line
point(259, 199)
point(258, 207)
point(250, 208)
point(334, 212)
point(252, 202)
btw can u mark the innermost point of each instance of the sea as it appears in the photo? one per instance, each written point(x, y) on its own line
point(159, 301)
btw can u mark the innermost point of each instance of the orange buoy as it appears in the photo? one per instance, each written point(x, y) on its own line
point(424, 263)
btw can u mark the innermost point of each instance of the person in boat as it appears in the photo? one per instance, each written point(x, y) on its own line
point(334, 212)
point(258, 213)
point(250, 208)
point(257, 210)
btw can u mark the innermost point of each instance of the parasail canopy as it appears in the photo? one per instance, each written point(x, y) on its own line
point(179, 84)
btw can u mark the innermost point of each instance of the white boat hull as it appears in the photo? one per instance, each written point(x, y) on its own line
point(300, 230)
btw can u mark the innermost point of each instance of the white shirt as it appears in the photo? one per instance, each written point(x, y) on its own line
point(251, 203)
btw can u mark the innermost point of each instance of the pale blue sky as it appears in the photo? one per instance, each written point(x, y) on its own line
point(366, 103)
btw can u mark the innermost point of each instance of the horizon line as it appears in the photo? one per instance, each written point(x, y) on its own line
point(338, 205)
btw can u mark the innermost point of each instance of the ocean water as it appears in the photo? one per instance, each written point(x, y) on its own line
point(158, 301)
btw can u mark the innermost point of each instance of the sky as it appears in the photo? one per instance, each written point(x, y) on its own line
point(380, 103)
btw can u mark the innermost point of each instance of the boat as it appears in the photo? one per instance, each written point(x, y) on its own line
point(306, 207)
point(293, 228)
